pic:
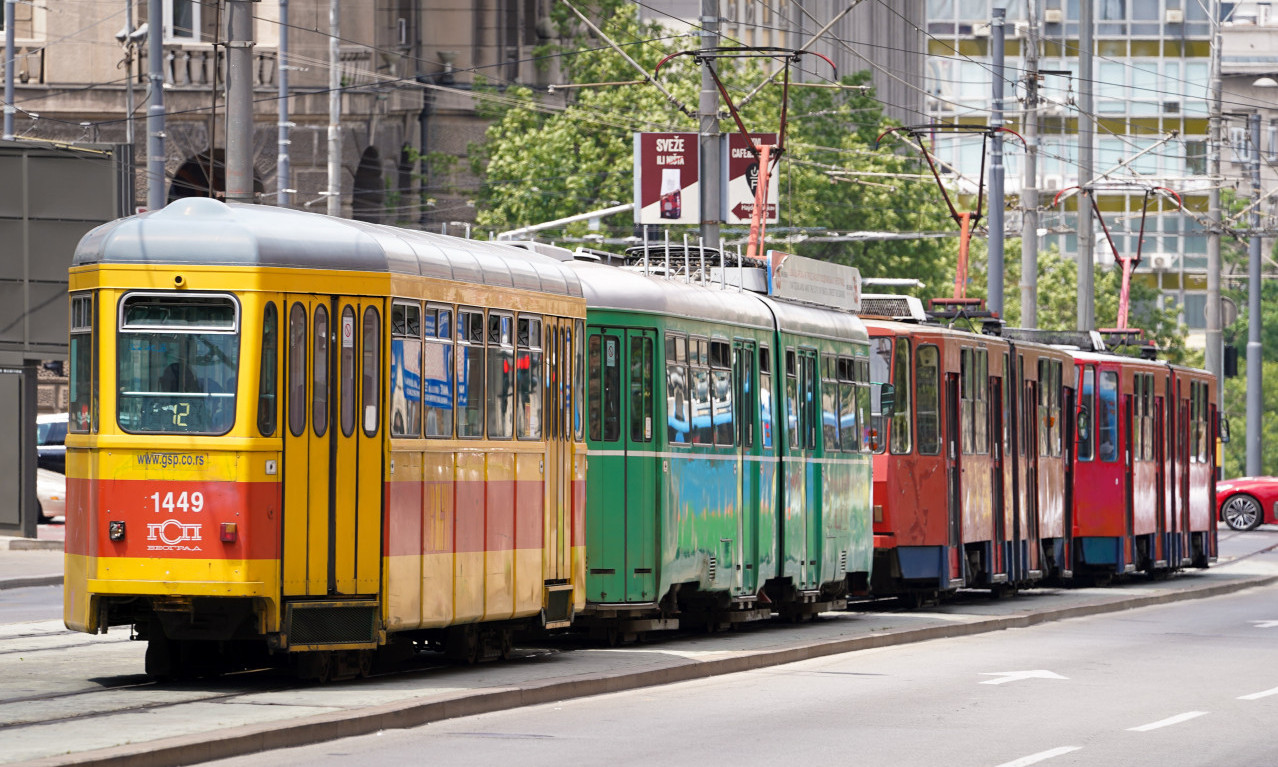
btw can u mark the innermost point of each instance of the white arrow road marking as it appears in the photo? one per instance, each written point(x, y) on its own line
point(1259, 695)
point(1015, 676)
point(1266, 624)
point(1169, 721)
point(1040, 756)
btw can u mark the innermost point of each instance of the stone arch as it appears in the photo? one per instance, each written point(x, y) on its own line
point(370, 189)
point(194, 176)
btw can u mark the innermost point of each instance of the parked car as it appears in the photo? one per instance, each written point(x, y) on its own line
point(1246, 503)
point(51, 495)
point(51, 436)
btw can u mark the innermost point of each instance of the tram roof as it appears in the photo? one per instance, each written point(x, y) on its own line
point(610, 287)
point(202, 231)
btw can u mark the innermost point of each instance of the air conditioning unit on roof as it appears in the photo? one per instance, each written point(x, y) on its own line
point(1053, 16)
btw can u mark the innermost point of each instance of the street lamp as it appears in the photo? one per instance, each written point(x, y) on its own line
point(130, 38)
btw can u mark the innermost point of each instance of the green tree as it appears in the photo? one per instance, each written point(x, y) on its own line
point(538, 166)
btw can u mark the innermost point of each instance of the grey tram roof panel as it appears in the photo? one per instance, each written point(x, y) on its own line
point(197, 231)
point(609, 287)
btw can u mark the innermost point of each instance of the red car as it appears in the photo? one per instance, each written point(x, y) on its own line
point(1246, 503)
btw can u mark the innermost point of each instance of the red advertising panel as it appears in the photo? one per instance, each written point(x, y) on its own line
point(741, 178)
point(667, 178)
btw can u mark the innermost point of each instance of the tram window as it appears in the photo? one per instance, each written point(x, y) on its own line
point(528, 378)
point(346, 372)
point(1107, 416)
point(792, 401)
point(809, 404)
point(701, 431)
point(677, 423)
point(437, 373)
point(268, 372)
point(980, 401)
point(721, 393)
point(1138, 417)
point(576, 350)
point(850, 425)
point(177, 363)
point(1086, 406)
point(611, 406)
point(406, 370)
point(501, 376)
point(319, 371)
point(765, 395)
point(744, 409)
point(967, 401)
point(641, 371)
point(470, 373)
point(927, 399)
point(372, 348)
point(297, 370)
point(81, 379)
point(902, 412)
point(830, 414)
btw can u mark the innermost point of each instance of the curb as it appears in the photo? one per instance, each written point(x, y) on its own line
point(29, 581)
point(248, 739)
point(35, 544)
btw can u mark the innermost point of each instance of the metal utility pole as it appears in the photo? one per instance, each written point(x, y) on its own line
point(995, 275)
point(239, 101)
point(1215, 340)
point(334, 111)
point(128, 80)
point(283, 162)
point(1255, 401)
point(708, 112)
point(155, 173)
point(10, 63)
point(1029, 183)
point(1086, 137)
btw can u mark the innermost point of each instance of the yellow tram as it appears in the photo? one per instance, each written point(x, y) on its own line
point(297, 434)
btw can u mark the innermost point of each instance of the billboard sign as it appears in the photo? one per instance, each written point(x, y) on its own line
point(667, 178)
point(811, 281)
point(741, 175)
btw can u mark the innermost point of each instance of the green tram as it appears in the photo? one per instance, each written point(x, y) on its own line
point(729, 454)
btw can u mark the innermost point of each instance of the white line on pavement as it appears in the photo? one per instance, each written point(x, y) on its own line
point(1259, 695)
point(1040, 756)
point(1185, 717)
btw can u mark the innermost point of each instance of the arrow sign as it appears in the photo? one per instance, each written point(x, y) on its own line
point(1266, 624)
point(1015, 676)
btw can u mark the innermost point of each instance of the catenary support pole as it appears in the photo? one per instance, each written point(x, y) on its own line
point(1029, 183)
point(1215, 339)
point(708, 113)
point(283, 161)
point(155, 157)
point(1086, 137)
point(1255, 383)
point(239, 101)
point(334, 110)
point(995, 274)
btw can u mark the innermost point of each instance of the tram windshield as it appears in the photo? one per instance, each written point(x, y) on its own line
point(178, 358)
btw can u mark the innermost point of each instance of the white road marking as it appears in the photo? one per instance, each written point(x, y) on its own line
point(1016, 676)
point(1266, 624)
point(1040, 756)
point(1169, 721)
point(1259, 695)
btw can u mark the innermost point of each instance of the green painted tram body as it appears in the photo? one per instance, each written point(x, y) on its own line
point(696, 487)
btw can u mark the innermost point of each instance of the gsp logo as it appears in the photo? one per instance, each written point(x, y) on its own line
point(172, 534)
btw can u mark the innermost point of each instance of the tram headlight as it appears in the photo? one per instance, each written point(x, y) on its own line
point(115, 529)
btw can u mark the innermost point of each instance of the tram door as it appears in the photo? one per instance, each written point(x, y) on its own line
point(746, 404)
point(623, 431)
point(560, 427)
point(332, 450)
point(955, 560)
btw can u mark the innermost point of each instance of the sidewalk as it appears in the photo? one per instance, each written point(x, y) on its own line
point(32, 561)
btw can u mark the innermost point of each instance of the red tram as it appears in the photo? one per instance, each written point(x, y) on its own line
point(971, 475)
point(1145, 472)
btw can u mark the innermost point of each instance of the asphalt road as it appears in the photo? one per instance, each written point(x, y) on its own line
point(1191, 683)
point(68, 697)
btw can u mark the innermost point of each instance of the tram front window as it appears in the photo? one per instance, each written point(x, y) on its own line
point(177, 365)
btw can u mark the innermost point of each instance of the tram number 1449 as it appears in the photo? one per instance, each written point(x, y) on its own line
point(179, 502)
